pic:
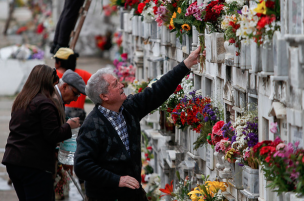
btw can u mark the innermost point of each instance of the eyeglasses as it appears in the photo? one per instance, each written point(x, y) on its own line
point(75, 93)
point(55, 76)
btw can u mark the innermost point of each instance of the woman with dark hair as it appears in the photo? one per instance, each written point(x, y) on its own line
point(35, 129)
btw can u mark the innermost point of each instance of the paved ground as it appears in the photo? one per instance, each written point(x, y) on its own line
point(90, 64)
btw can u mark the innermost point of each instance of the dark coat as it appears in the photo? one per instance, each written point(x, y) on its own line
point(101, 158)
point(34, 133)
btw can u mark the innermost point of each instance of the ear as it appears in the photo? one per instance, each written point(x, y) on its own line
point(104, 97)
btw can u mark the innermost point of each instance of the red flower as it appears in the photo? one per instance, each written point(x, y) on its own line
point(141, 7)
point(270, 4)
point(267, 159)
point(147, 1)
point(179, 87)
point(143, 179)
point(40, 28)
point(264, 21)
point(237, 53)
point(231, 40)
point(170, 27)
point(139, 90)
point(168, 189)
point(146, 155)
point(149, 148)
point(155, 10)
point(174, 5)
point(217, 128)
point(155, 1)
point(266, 149)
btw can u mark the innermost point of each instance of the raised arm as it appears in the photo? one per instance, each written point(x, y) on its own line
point(152, 98)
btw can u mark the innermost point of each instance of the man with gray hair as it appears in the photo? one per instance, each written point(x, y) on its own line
point(108, 155)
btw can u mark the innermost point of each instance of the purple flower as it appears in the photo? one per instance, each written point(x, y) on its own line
point(233, 139)
point(214, 118)
point(239, 12)
point(206, 119)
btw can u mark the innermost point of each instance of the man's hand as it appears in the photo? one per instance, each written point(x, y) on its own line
point(129, 182)
point(68, 168)
point(74, 122)
point(192, 59)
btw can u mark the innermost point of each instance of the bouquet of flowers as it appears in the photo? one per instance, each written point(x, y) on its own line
point(181, 22)
point(104, 42)
point(139, 85)
point(123, 69)
point(217, 134)
point(213, 14)
point(152, 188)
point(223, 146)
point(61, 181)
point(210, 191)
point(208, 117)
point(26, 51)
point(184, 88)
point(181, 191)
point(132, 4)
point(186, 112)
point(146, 9)
point(231, 155)
point(109, 10)
point(286, 160)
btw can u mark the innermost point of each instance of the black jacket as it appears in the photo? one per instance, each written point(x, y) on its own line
point(34, 133)
point(101, 157)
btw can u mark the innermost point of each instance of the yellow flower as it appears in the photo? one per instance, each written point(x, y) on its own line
point(174, 15)
point(261, 8)
point(172, 23)
point(186, 27)
point(215, 186)
point(179, 10)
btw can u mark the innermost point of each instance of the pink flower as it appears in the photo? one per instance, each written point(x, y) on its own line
point(274, 127)
point(280, 146)
point(217, 127)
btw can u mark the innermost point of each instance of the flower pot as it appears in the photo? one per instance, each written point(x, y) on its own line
point(256, 61)
point(238, 174)
point(267, 58)
point(251, 179)
point(245, 56)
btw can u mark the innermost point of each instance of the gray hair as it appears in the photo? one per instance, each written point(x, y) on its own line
point(98, 85)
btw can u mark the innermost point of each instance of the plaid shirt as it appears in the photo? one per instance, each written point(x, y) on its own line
point(118, 122)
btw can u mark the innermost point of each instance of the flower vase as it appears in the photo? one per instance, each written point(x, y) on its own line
point(226, 173)
point(202, 59)
point(250, 179)
point(169, 127)
point(220, 163)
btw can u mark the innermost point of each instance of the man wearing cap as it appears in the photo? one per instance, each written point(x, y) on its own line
point(108, 154)
point(66, 59)
point(70, 86)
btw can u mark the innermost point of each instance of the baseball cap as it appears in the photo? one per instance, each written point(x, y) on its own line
point(63, 53)
point(73, 79)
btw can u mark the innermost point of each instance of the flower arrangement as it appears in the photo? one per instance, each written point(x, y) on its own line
point(186, 111)
point(184, 88)
point(208, 118)
point(268, 12)
point(152, 187)
point(181, 191)
point(217, 134)
point(104, 42)
point(26, 52)
point(132, 4)
point(260, 23)
point(139, 86)
point(146, 9)
point(286, 160)
point(109, 10)
point(213, 13)
point(231, 155)
point(124, 70)
point(210, 191)
point(61, 180)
